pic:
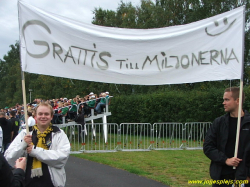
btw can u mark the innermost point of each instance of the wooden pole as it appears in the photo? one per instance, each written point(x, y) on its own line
point(241, 91)
point(25, 103)
point(238, 122)
point(23, 79)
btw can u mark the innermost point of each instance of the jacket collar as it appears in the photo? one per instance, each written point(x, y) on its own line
point(245, 120)
point(55, 129)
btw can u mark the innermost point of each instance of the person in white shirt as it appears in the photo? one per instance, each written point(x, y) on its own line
point(31, 121)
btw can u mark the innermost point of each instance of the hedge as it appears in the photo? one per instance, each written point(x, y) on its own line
point(171, 106)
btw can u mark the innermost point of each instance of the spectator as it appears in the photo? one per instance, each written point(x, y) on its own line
point(6, 111)
point(101, 104)
point(85, 107)
point(65, 100)
point(31, 120)
point(73, 109)
point(80, 120)
point(18, 114)
point(14, 125)
point(91, 103)
point(6, 128)
point(22, 118)
point(55, 106)
point(77, 98)
point(60, 106)
point(65, 109)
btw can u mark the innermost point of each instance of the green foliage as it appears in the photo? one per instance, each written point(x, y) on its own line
point(10, 73)
point(170, 106)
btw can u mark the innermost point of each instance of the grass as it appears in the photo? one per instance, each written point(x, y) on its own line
point(171, 167)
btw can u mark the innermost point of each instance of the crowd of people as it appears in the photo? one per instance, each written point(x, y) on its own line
point(69, 108)
point(63, 107)
point(12, 120)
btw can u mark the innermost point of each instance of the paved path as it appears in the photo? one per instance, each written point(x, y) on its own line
point(84, 173)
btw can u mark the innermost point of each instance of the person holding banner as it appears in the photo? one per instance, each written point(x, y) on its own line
point(220, 141)
point(48, 150)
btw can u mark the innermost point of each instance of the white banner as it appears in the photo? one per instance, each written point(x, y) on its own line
point(205, 50)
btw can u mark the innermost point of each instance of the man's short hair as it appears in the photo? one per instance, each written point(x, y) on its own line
point(47, 105)
point(13, 113)
point(235, 93)
point(2, 114)
point(29, 114)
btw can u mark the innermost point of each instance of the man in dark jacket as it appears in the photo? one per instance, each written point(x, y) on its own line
point(15, 124)
point(219, 142)
point(80, 120)
point(6, 127)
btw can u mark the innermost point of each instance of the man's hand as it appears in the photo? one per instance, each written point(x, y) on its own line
point(233, 161)
point(21, 163)
point(29, 148)
point(28, 139)
point(248, 178)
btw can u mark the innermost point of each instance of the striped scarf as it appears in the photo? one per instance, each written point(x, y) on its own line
point(36, 170)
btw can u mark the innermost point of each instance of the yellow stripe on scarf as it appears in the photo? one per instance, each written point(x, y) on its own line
point(36, 170)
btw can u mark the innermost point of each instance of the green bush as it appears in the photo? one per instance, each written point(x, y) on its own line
point(171, 106)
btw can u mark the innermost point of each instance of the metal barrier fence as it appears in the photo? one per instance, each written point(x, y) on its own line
point(135, 136)
point(72, 131)
point(100, 137)
point(111, 137)
point(194, 134)
point(167, 136)
point(92, 137)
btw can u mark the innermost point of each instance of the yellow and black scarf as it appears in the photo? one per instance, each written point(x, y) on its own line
point(36, 170)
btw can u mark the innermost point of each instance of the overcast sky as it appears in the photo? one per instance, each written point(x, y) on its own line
point(81, 10)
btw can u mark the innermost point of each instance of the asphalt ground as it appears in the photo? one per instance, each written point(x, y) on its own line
point(84, 173)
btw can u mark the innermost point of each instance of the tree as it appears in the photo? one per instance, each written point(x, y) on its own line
point(10, 85)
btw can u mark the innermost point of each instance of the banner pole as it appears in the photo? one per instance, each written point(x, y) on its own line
point(238, 122)
point(25, 103)
point(241, 92)
point(22, 75)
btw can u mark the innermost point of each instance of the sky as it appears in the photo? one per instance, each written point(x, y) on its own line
point(81, 10)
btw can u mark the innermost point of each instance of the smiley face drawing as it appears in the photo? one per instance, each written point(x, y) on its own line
point(216, 23)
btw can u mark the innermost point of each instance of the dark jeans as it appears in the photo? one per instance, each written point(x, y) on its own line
point(99, 107)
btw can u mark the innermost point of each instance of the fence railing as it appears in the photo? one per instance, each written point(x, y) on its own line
point(91, 137)
point(194, 134)
point(167, 136)
point(111, 137)
point(135, 136)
